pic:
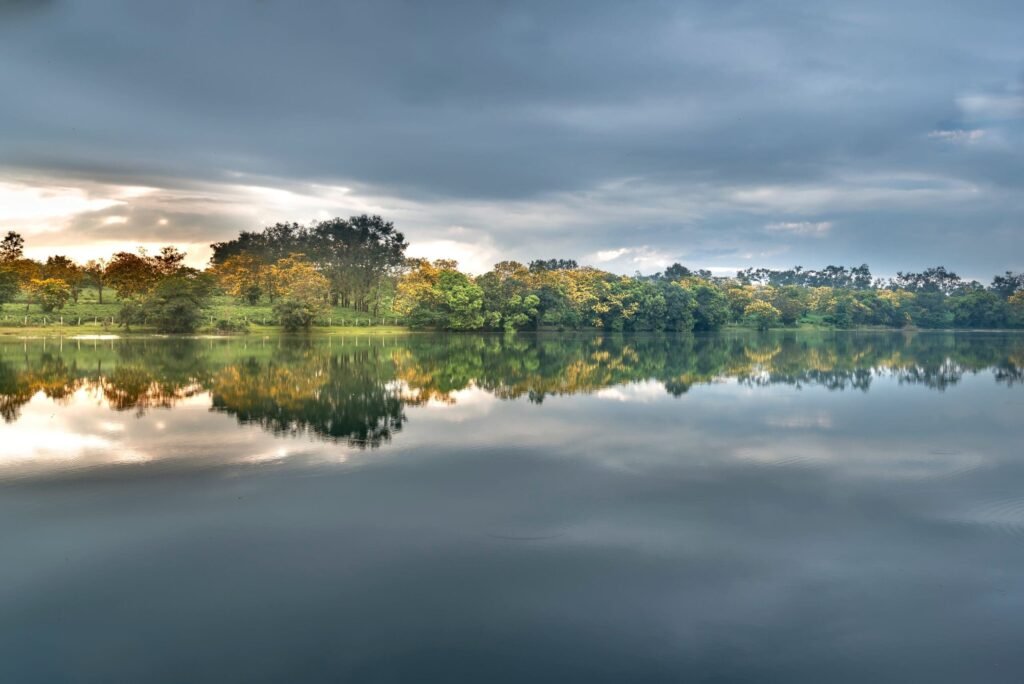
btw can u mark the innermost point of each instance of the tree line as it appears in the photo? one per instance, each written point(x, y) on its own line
point(361, 263)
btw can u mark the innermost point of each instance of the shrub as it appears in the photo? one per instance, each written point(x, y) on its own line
point(294, 313)
point(226, 325)
point(177, 302)
point(50, 293)
point(131, 313)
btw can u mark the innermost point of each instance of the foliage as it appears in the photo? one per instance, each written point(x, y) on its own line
point(935, 279)
point(296, 314)
point(857, 278)
point(50, 293)
point(244, 276)
point(8, 284)
point(94, 273)
point(301, 274)
point(1015, 306)
point(227, 325)
point(436, 295)
point(177, 302)
point(977, 307)
point(359, 393)
point(359, 256)
point(712, 306)
point(131, 275)
point(355, 254)
point(301, 292)
point(12, 247)
point(131, 312)
point(62, 268)
point(762, 315)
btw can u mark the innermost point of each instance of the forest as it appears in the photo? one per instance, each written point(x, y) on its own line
point(299, 276)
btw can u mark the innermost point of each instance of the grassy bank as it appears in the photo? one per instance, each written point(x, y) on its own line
point(88, 316)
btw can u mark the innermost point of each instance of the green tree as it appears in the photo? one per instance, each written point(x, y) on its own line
point(712, 306)
point(354, 254)
point(976, 307)
point(928, 309)
point(436, 295)
point(95, 275)
point(51, 294)
point(8, 284)
point(679, 307)
point(462, 301)
point(301, 290)
point(520, 312)
point(63, 268)
point(177, 302)
point(131, 274)
point(791, 303)
point(131, 312)
point(1015, 308)
point(169, 261)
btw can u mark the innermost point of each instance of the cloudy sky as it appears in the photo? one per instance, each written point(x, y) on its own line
point(722, 134)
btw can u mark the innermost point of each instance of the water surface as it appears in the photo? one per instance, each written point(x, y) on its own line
point(793, 507)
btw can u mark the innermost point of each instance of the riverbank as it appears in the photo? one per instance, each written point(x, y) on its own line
point(100, 331)
point(92, 330)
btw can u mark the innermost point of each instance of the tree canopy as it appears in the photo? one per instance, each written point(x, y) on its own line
point(360, 263)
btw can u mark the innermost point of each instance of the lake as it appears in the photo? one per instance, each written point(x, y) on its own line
point(784, 507)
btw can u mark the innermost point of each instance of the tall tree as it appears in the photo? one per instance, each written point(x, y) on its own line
point(271, 244)
point(63, 268)
point(12, 247)
point(354, 254)
point(243, 276)
point(131, 274)
point(301, 289)
point(95, 273)
point(8, 284)
point(934, 279)
point(169, 261)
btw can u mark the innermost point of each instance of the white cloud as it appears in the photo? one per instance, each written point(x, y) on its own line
point(959, 135)
point(607, 255)
point(643, 258)
point(36, 208)
point(472, 256)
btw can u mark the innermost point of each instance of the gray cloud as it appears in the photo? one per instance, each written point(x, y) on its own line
point(677, 130)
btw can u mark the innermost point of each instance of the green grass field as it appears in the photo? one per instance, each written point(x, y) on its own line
point(88, 316)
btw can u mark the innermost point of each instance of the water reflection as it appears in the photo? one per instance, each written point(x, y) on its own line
point(731, 508)
point(356, 389)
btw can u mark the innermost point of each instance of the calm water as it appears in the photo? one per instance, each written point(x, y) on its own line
point(789, 507)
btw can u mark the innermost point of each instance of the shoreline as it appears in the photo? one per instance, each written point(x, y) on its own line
point(99, 332)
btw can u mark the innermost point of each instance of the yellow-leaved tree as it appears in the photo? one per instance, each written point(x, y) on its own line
point(302, 292)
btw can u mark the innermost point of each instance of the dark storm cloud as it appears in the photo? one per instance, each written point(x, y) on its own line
point(709, 121)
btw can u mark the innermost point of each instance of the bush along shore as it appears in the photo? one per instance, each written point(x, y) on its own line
point(354, 273)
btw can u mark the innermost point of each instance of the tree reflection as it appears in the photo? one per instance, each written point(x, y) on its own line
point(357, 390)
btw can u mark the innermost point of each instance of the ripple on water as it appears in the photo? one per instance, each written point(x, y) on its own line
point(910, 464)
point(950, 463)
point(1003, 515)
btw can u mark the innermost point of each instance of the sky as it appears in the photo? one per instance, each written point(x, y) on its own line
point(628, 135)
